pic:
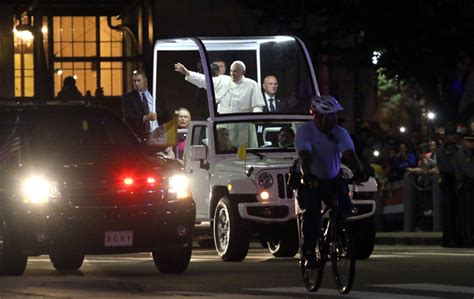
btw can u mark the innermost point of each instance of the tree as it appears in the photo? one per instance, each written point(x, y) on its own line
point(424, 41)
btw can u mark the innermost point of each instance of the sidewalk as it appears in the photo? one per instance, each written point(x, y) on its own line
point(408, 238)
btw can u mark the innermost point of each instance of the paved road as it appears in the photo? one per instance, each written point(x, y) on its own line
point(392, 272)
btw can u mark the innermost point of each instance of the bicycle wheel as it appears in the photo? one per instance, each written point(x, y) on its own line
point(342, 259)
point(312, 277)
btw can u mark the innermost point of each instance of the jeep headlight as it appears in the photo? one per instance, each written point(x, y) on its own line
point(39, 190)
point(179, 185)
point(265, 180)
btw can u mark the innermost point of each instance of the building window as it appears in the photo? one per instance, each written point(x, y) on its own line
point(23, 63)
point(90, 51)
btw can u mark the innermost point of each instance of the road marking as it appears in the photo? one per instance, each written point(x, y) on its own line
point(211, 256)
point(429, 287)
point(141, 259)
point(378, 256)
point(333, 292)
point(439, 253)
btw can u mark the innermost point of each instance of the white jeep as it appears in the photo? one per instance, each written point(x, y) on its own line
point(236, 164)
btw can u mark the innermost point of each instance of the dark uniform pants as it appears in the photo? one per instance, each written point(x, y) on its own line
point(310, 199)
point(450, 211)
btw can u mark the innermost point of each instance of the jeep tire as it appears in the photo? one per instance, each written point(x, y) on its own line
point(12, 262)
point(363, 233)
point(231, 237)
point(288, 244)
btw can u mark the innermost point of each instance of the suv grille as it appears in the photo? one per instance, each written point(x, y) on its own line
point(93, 192)
point(90, 186)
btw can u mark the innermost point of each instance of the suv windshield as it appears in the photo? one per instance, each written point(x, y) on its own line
point(75, 131)
point(261, 135)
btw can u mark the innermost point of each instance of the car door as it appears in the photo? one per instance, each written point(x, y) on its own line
point(197, 170)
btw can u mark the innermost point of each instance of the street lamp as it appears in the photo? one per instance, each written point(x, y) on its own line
point(431, 115)
point(376, 57)
point(23, 32)
point(24, 29)
point(403, 129)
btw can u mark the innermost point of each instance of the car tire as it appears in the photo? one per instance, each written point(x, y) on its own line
point(363, 234)
point(66, 260)
point(231, 237)
point(12, 262)
point(287, 246)
point(173, 261)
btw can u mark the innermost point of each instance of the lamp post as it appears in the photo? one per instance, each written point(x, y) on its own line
point(431, 117)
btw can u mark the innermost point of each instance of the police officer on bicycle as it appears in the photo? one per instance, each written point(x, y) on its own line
point(320, 143)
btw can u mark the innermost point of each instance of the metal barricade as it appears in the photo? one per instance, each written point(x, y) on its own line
point(410, 199)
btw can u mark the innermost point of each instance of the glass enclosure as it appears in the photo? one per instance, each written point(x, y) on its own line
point(279, 59)
point(259, 136)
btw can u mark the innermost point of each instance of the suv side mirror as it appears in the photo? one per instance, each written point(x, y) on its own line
point(197, 152)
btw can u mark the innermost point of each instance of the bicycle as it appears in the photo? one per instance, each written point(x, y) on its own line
point(335, 245)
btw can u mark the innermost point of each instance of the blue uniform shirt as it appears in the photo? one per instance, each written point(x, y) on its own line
point(325, 154)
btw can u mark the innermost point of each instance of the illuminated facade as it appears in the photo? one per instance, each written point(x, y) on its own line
point(101, 42)
point(45, 41)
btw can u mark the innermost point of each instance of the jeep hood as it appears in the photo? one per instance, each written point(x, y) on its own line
point(237, 165)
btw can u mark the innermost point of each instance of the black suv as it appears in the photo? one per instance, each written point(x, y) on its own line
point(75, 180)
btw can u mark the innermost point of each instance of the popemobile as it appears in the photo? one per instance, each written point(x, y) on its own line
point(237, 155)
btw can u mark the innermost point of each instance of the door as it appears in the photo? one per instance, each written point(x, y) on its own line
point(197, 171)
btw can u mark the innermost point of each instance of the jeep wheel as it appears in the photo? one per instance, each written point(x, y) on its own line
point(230, 235)
point(12, 263)
point(173, 261)
point(283, 248)
point(62, 260)
point(288, 244)
point(364, 237)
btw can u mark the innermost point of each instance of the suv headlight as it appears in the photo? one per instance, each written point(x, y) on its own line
point(39, 190)
point(265, 180)
point(179, 185)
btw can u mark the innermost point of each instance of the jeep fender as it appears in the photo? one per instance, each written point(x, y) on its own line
point(243, 185)
point(217, 192)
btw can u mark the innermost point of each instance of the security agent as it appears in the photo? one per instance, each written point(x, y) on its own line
point(138, 108)
point(319, 144)
point(464, 169)
point(445, 160)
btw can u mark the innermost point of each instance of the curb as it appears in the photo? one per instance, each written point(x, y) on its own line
point(408, 238)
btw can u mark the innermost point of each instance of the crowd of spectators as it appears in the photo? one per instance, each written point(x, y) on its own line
point(392, 154)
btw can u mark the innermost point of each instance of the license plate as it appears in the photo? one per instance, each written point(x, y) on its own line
point(118, 238)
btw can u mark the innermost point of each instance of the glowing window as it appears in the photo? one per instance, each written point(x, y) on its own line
point(88, 49)
point(23, 63)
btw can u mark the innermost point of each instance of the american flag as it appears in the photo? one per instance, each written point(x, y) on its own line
point(10, 147)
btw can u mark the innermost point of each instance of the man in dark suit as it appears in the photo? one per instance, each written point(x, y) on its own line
point(138, 106)
point(272, 102)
